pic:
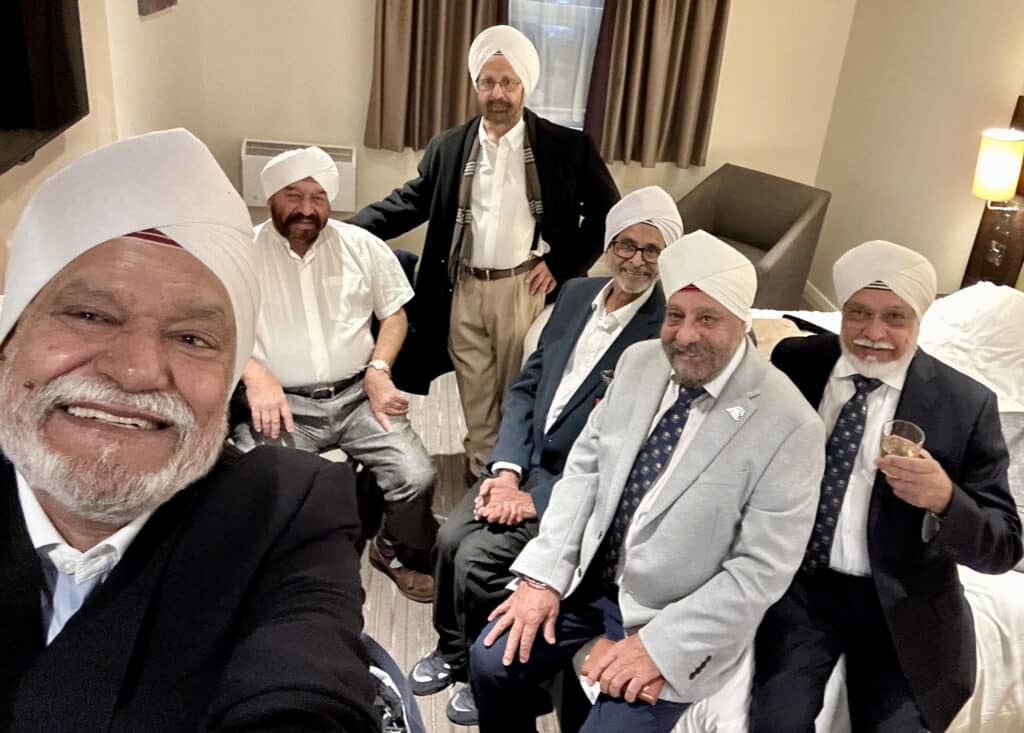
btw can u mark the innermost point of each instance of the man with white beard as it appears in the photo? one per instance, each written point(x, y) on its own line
point(878, 581)
point(150, 583)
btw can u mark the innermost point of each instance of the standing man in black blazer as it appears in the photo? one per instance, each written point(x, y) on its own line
point(515, 207)
point(879, 580)
point(593, 321)
point(150, 583)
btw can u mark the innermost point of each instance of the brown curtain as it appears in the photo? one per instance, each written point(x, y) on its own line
point(652, 90)
point(420, 83)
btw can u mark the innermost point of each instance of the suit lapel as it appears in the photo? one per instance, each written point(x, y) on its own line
point(21, 579)
point(641, 326)
point(557, 352)
point(715, 432)
point(92, 654)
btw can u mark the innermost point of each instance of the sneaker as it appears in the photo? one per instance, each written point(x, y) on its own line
point(418, 587)
point(461, 708)
point(431, 674)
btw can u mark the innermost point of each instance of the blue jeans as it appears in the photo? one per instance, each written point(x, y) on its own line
point(510, 698)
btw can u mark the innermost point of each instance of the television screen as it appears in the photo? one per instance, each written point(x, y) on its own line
point(44, 75)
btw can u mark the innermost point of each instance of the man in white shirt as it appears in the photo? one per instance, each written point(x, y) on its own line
point(151, 580)
point(316, 370)
point(681, 516)
point(516, 206)
point(593, 321)
point(879, 581)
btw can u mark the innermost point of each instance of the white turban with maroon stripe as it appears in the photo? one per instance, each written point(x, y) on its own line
point(162, 187)
point(713, 267)
point(881, 264)
point(292, 166)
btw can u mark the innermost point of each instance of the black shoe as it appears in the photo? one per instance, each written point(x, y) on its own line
point(431, 674)
point(461, 708)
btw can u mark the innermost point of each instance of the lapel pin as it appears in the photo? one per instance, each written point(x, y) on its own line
point(736, 413)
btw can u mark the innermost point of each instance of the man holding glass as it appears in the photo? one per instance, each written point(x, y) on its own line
point(879, 580)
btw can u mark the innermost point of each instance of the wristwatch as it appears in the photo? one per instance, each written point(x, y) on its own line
point(380, 365)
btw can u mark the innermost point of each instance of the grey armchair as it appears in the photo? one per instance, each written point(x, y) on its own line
point(773, 221)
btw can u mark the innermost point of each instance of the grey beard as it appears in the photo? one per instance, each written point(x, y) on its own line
point(879, 369)
point(99, 488)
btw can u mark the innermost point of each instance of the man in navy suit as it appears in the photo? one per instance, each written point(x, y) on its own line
point(879, 580)
point(593, 321)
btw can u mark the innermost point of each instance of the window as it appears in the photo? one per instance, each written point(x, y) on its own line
point(565, 34)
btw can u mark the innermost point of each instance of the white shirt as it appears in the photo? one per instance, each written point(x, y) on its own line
point(600, 331)
point(502, 224)
point(700, 408)
point(850, 547)
point(57, 556)
point(314, 321)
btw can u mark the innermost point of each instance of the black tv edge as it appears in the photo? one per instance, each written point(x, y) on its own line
point(44, 90)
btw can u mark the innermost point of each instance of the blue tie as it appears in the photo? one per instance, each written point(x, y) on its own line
point(650, 461)
point(840, 454)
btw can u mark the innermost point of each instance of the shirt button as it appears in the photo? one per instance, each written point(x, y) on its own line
point(68, 567)
point(579, 572)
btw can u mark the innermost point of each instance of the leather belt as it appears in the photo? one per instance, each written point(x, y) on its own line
point(324, 391)
point(493, 273)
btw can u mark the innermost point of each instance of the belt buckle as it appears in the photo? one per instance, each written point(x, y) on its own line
point(322, 393)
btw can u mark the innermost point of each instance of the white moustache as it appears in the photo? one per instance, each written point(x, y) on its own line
point(869, 344)
point(70, 389)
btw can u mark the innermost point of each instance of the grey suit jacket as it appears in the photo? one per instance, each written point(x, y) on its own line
point(724, 537)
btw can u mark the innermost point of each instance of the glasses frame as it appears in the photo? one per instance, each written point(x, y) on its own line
point(634, 248)
point(486, 84)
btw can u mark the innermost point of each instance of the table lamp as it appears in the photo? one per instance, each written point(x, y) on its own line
point(999, 162)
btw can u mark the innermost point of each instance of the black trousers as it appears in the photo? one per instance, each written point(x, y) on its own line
point(471, 570)
point(821, 616)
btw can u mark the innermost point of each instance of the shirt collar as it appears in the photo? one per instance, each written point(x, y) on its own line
point(269, 230)
point(621, 316)
point(50, 544)
point(716, 385)
point(844, 369)
point(514, 136)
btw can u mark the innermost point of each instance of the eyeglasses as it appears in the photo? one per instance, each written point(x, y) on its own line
point(626, 248)
point(892, 318)
point(507, 85)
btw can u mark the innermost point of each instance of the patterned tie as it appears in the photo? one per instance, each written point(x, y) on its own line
point(840, 453)
point(654, 455)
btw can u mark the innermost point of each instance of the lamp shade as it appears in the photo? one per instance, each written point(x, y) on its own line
point(999, 160)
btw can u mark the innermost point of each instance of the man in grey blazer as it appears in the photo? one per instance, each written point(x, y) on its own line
point(681, 516)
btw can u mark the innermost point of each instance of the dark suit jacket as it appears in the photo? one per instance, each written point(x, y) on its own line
point(521, 438)
point(576, 189)
point(237, 607)
point(928, 617)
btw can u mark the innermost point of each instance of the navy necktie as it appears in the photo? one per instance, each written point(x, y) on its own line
point(650, 462)
point(840, 454)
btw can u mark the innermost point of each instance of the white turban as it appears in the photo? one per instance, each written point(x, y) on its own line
point(292, 166)
point(650, 205)
point(888, 266)
point(712, 266)
point(165, 180)
point(511, 44)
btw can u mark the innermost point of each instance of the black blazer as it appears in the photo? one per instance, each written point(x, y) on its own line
point(237, 607)
point(928, 617)
point(521, 437)
point(576, 189)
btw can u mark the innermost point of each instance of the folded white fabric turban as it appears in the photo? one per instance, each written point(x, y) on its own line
point(650, 205)
point(164, 180)
point(880, 264)
point(292, 166)
point(511, 44)
point(712, 266)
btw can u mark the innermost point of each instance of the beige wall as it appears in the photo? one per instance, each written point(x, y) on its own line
point(920, 81)
point(156, 65)
point(18, 184)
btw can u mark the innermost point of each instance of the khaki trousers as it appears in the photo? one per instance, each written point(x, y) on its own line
point(489, 321)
